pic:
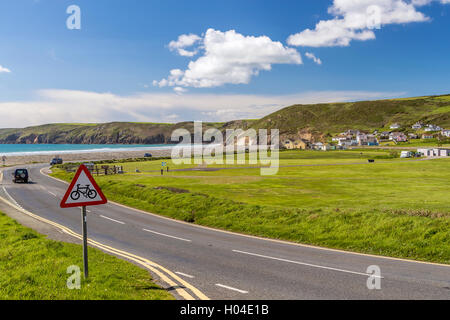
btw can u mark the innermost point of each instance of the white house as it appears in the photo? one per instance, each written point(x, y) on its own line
point(446, 133)
point(417, 126)
point(395, 126)
point(434, 152)
point(432, 128)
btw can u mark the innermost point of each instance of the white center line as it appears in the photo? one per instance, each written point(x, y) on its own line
point(230, 288)
point(112, 219)
point(52, 193)
point(185, 275)
point(307, 264)
point(166, 235)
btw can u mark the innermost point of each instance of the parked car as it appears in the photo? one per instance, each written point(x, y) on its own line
point(147, 155)
point(21, 175)
point(56, 161)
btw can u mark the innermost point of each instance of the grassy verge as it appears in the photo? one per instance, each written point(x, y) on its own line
point(33, 267)
point(320, 215)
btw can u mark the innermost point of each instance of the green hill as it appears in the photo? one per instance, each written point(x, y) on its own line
point(333, 118)
point(303, 121)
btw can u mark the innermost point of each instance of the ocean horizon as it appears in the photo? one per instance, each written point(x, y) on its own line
point(58, 149)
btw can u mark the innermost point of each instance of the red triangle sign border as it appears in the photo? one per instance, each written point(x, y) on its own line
point(84, 169)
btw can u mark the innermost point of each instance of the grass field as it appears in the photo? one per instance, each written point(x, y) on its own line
point(33, 267)
point(335, 199)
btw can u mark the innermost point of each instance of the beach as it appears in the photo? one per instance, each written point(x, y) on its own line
point(83, 156)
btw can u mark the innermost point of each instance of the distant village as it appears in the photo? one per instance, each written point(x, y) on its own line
point(398, 134)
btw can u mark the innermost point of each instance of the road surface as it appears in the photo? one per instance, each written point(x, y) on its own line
point(223, 265)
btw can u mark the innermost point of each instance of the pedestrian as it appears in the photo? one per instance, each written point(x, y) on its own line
point(162, 171)
point(167, 169)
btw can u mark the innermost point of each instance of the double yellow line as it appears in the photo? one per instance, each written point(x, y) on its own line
point(165, 275)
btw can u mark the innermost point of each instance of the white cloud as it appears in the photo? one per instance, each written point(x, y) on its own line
point(4, 70)
point(313, 58)
point(228, 58)
point(185, 41)
point(180, 90)
point(357, 20)
point(53, 106)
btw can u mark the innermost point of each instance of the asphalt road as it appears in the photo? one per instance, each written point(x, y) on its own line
point(230, 266)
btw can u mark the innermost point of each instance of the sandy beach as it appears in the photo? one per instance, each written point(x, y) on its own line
point(84, 156)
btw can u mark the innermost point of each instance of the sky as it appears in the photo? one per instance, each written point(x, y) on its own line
point(179, 60)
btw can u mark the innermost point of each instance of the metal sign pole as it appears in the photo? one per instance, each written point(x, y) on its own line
point(85, 248)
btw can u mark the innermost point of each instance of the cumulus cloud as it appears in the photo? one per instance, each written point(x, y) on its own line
point(185, 41)
point(313, 58)
point(228, 58)
point(357, 20)
point(4, 70)
point(55, 106)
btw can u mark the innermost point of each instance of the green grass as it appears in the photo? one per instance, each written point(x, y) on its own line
point(393, 207)
point(33, 267)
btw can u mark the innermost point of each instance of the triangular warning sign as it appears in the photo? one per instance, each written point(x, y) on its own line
point(83, 191)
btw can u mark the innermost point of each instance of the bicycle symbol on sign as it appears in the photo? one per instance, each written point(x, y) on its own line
point(86, 192)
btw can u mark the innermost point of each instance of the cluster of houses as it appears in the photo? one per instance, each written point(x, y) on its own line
point(353, 138)
point(356, 138)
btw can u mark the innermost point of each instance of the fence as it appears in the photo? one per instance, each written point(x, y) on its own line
point(98, 170)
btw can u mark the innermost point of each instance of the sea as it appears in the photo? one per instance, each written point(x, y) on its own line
point(58, 149)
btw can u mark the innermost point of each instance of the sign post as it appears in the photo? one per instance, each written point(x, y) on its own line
point(83, 191)
point(85, 249)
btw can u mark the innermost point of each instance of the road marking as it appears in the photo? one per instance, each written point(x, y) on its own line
point(166, 235)
point(165, 274)
point(307, 264)
point(231, 288)
point(11, 198)
point(185, 275)
point(112, 219)
point(53, 194)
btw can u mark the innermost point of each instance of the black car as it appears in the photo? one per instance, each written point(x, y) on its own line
point(56, 161)
point(147, 155)
point(21, 175)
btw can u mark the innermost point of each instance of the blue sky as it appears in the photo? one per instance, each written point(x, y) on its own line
point(251, 57)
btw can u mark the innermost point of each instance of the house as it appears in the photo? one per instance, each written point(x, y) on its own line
point(432, 128)
point(385, 135)
point(288, 144)
point(398, 137)
point(446, 133)
point(347, 142)
point(427, 136)
point(367, 140)
point(413, 136)
point(434, 152)
point(300, 144)
point(295, 144)
point(318, 146)
point(417, 126)
point(339, 137)
point(395, 126)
